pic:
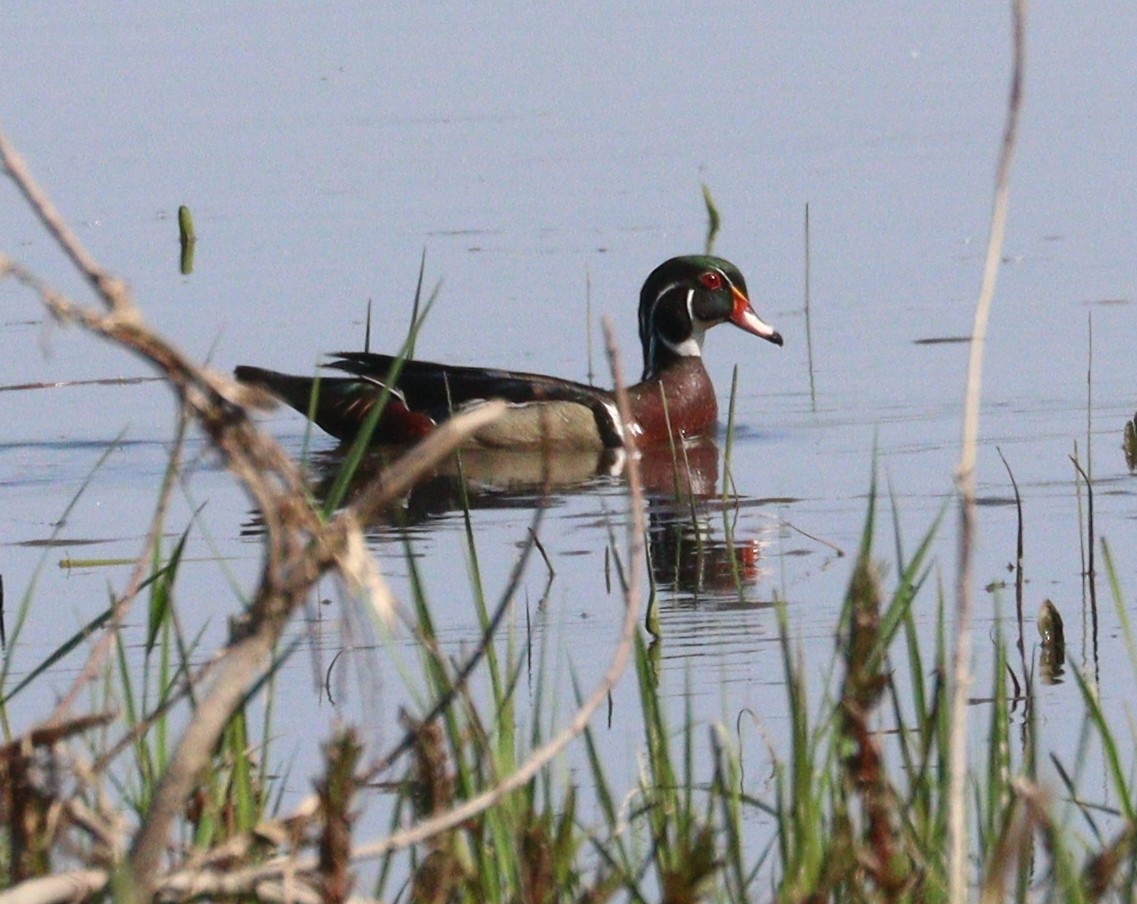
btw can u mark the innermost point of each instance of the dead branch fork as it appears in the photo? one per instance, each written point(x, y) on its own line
point(300, 547)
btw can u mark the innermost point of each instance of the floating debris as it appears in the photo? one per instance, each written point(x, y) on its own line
point(1050, 625)
point(1053, 656)
point(942, 340)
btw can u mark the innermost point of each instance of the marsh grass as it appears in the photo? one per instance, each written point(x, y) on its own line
point(859, 802)
point(168, 787)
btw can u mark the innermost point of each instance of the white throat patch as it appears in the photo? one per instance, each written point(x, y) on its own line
point(692, 346)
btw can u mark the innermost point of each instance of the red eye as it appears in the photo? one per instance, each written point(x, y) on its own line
point(711, 280)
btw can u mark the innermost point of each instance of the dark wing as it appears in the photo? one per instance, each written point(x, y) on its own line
point(437, 389)
point(343, 404)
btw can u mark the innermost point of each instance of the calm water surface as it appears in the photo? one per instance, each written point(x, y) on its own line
point(542, 157)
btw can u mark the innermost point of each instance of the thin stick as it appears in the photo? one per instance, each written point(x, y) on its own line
point(401, 475)
point(1090, 575)
point(1019, 577)
point(1089, 394)
point(588, 323)
point(808, 330)
point(1018, 554)
point(965, 477)
point(64, 384)
point(541, 549)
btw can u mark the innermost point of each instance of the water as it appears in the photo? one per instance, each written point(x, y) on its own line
point(542, 156)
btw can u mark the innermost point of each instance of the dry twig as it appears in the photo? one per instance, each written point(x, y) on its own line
point(299, 546)
point(299, 549)
point(965, 476)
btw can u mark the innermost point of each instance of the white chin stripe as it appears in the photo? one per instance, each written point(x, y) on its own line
point(692, 347)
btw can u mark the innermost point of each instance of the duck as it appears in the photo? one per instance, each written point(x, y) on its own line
point(674, 399)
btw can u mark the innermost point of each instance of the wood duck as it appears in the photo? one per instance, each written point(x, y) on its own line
point(681, 299)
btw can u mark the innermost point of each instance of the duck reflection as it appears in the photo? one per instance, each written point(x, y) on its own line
point(684, 507)
point(690, 545)
point(477, 478)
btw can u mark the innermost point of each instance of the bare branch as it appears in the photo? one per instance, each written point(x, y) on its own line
point(77, 885)
point(299, 547)
point(400, 476)
point(965, 476)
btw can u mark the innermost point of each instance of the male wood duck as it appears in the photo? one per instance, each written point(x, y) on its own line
point(680, 300)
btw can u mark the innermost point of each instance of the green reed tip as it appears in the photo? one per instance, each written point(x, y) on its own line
point(187, 240)
point(713, 218)
point(185, 225)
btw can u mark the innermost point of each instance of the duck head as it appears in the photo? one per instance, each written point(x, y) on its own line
point(684, 297)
